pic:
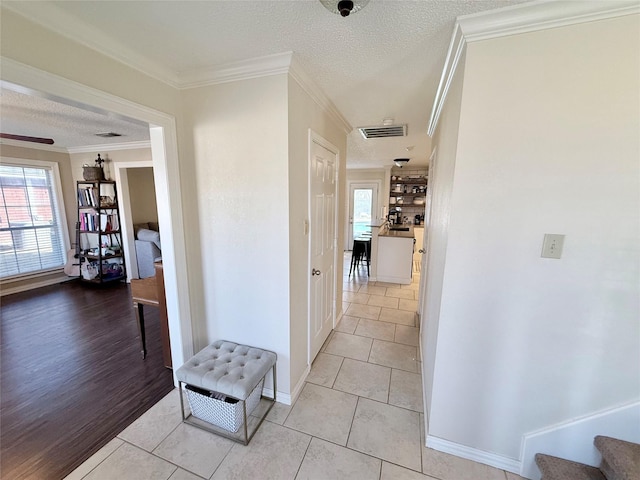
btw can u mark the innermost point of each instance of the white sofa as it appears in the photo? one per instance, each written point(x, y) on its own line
point(148, 248)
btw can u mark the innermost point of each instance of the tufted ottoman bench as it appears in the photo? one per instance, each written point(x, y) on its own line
point(224, 384)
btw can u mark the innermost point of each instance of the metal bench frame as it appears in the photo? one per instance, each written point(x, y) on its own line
point(204, 425)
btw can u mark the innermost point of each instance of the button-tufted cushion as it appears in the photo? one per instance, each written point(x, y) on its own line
point(227, 368)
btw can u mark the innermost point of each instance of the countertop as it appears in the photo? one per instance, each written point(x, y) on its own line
point(397, 233)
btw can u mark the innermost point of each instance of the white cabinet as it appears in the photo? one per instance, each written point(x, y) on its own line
point(394, 259)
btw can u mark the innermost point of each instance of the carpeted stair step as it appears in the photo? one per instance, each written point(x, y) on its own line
point(554, 468)
point(620, 459)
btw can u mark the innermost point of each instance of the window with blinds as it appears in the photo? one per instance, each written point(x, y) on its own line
point(31, 234)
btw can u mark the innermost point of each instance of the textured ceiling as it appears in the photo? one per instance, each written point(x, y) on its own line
point(382, 62)
point(68, 126)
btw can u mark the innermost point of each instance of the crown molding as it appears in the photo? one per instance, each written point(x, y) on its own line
point(52, 18)
point(232, 72)
point(32, 146)
point(110, 147)
point(540, 15)
point(81, 149)
point(309, 86)
point(49, 16)
point(456, 48)
point(518, 19)
point(16, 75)
point(277, 64)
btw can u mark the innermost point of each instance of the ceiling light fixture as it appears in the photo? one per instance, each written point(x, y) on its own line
point(401, 162)
point(107, 134)
point(344, 7)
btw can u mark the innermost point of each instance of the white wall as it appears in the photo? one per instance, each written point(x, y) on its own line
point(142, 195)
point(238, 133)
point(548, 143)
point(30, 44)
point(365, 174)
point(304, 113)
point(111, 157)
point(441, 175)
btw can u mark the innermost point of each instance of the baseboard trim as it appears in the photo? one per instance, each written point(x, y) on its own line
point(281, 398)
point(299, 386)
point(492, 459)
point(391, 279)
point(289, 399)
point(573, 439)
point(30, 286)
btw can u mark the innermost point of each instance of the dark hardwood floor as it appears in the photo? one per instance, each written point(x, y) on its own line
point(72, 376)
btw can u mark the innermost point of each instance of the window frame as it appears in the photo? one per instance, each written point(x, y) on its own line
point(58, 205)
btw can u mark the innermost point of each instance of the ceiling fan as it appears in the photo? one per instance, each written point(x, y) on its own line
point(26, 138)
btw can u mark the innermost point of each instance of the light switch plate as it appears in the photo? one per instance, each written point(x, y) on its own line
point(552, 245)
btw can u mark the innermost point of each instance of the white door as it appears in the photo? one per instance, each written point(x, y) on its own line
point(363, 206)
point(425, 241)
point(322, 239)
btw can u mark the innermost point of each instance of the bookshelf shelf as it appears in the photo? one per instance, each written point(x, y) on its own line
point(99, 238)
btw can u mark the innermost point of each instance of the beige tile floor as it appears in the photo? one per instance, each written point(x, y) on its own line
point(359, 415)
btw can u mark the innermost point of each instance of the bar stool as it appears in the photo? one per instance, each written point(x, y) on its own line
point(361, 251)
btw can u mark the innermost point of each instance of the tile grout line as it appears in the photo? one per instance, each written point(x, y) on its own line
point(166, 436)
point(338, 444)
point(311, 437)
point(370, 350)
point(166, 460)
point(338, 373)
point(169, 461)
point(355, 410)
point(102, 461)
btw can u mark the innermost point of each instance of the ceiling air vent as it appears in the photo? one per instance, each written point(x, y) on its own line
point(384, 131)
point(108, 134)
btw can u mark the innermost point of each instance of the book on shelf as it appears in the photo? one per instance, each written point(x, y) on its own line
point(88, 197)
point(88, 222)
point(109, 222)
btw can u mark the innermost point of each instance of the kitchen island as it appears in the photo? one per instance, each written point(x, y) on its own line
point(394, 256)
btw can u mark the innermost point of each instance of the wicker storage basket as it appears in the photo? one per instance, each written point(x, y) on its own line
point(92, 173)
point(227, 413)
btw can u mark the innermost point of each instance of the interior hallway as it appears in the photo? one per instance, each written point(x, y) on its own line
point(359, 415)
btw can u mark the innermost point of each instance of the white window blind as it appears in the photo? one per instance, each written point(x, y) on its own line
point(31, 235)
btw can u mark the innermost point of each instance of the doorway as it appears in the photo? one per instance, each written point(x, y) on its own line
point(424, 248)
point(363, 207)
point(164, 148)
point(124, 171)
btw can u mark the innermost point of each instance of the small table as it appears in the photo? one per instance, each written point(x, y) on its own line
point(150, 291)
